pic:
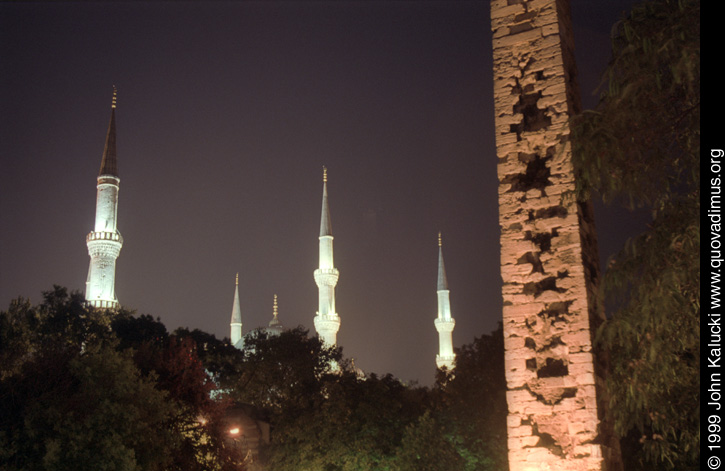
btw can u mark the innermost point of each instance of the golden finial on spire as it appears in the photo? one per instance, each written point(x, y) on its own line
point(237, 279)
point(440, 240)
point(324, 174)
point(113, 101)
point(274, 307)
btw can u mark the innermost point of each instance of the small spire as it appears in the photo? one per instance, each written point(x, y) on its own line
point(109, 165)
point(325, 225)
point(442, 279)
point(236, 309)
point(275, 326)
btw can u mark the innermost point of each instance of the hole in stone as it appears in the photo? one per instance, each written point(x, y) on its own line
point(534, 117)
point(536, 175)
point(547, 284)
point(555, 342)
point(542, 239)
point(547, 441)
point(529, 343)
point(547, 213)
point(562, 273)
point(533, 259)
point(556, 312)
point(517, 128)
point(531, 364)
point(553, 368)
point(540, 75)
point(515, 227)
point(521, 27)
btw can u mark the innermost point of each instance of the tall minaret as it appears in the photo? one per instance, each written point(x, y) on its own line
point(236, 323)
point(444, 322)
point(104, 243)
point(327, 322)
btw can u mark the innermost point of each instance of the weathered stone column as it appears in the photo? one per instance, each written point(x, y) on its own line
point(548, 247)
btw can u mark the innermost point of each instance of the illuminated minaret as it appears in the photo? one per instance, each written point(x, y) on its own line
point(444, 322)
point(104, 243)
point(236, 323)
point(327, 322)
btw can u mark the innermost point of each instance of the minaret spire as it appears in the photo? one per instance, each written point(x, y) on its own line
point(327, 322)
point(444, 322)
point(275, 326)
point(109, 165)
point(236, 322)
point(442, 280)
point(104, 243)
point(325, 225)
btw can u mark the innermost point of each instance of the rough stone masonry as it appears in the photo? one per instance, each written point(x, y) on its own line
point(548, 248)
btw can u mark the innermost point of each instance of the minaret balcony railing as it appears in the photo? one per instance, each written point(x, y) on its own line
point(326, 276)
point(445, 325)
point(112, 236)
point(103, 304)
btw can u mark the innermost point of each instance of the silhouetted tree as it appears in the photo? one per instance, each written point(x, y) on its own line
point(471, 403)
point(75, 397)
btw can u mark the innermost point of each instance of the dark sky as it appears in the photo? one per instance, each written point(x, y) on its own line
point(226, 114)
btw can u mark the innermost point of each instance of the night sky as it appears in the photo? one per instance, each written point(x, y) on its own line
point(226, 114)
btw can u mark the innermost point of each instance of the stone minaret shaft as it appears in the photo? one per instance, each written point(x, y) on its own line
point(548, 247)
point(327, 322)
point(444, 322)
point(104, 243)
point(236, 322)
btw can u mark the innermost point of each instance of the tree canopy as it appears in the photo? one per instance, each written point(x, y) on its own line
point(95, 389)
point(641, 146)
point(75, 396)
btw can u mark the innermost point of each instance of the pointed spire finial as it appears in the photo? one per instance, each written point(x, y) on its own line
point(440, 240)
point(274, 307)
point(324, 174)
point(237, 282)
point(109, 165)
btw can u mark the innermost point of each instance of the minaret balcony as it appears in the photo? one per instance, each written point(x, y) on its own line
point(445, 325)
point(112, 236)
point(103, 304)
point(326, 276)
point(327, 323)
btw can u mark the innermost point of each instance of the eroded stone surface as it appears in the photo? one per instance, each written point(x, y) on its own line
point(548, 247)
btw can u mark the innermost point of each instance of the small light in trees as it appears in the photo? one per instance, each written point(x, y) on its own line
point(234, 431)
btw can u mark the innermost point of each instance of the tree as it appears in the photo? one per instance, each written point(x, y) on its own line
point(62, 318)
point(641, 146)
point(354, 424)
point(471, 403)
point(94, 411)
point(75, 397)
point(283, 373)
point(424, 447)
